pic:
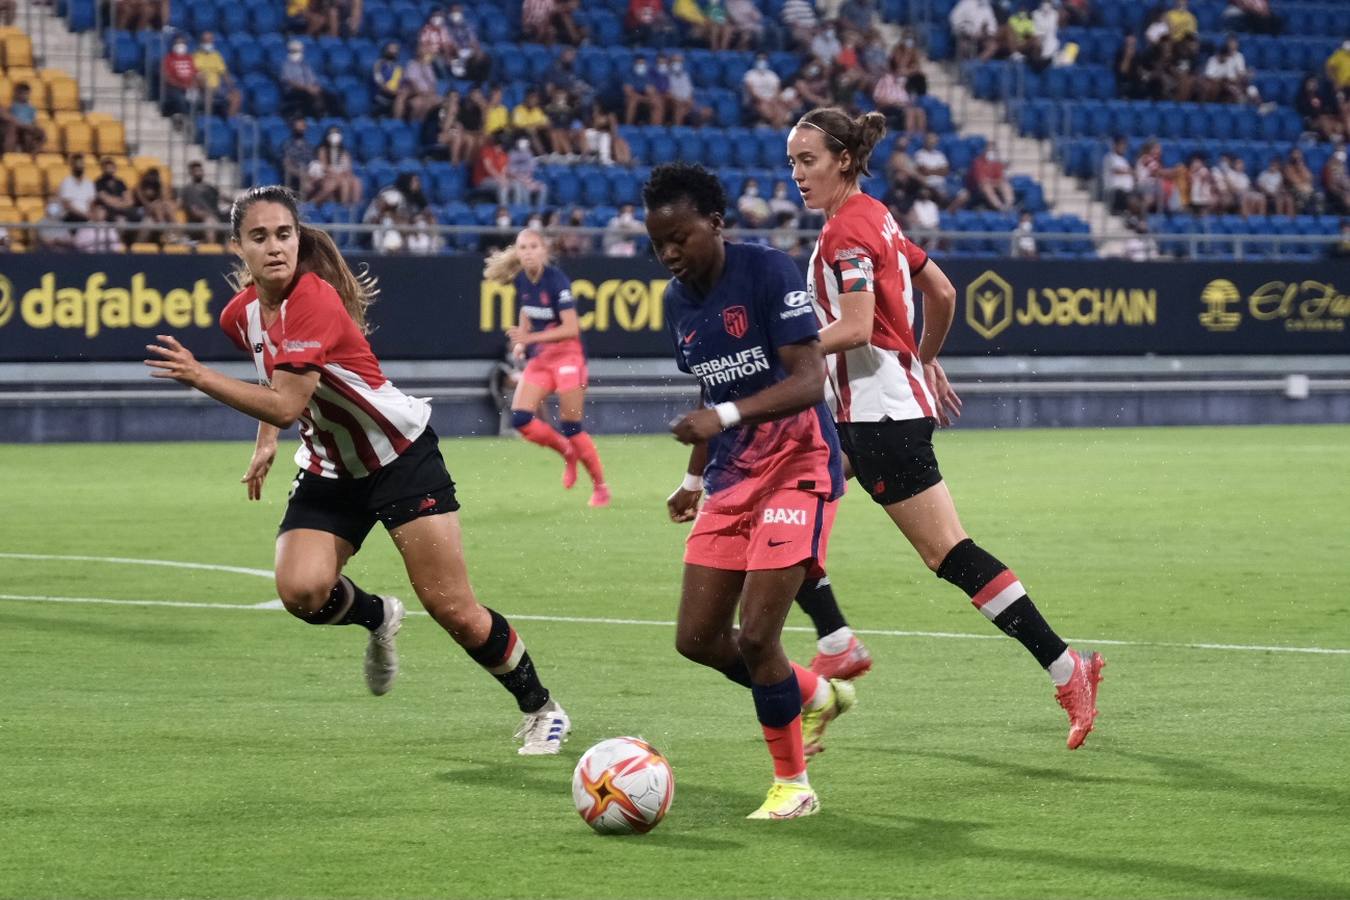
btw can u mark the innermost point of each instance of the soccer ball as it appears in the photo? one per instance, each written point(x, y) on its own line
point(623, 786)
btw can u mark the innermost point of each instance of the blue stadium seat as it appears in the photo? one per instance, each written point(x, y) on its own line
point(565, 188)
point(595, 186)
point(661, 148)
point(266, 17)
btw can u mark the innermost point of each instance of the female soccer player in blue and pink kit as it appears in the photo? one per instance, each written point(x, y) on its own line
point(549, 334)
point(887, 390)
point(765, 451)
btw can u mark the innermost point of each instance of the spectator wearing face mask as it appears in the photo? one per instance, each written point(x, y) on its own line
point(752, 208)
point(781, 204)
point(489, 171)
point(180, 79)
point(470, 60)
point(433, 39)
point(764, 93)
point(1336, 182)
point(386, 211)
point(680, 93)
point(301, 93)
point(813, 85)
point(529, 119)
point(200, 201)
point(647, 24)
point(331, 175)
point(893, 101)
point(424, 239)
point(642, 94)
point(523, 188)
point(296, 155)
point(621, 233)
point(571, 242)
point(219, 93)
point(76, 193)
point(390, 94)
point(989, 181)
point(423, 88)
point(496, 115)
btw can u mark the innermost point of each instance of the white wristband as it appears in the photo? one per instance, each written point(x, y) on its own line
point(692, 482)
point(728, 414)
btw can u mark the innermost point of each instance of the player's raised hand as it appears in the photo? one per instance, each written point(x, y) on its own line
point(173, 360)
point(258, 467)
point(696, 427)
point(948, 403)
point(683, 504)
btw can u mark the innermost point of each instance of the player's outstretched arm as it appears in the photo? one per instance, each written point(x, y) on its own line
point(803, 387)
point(279, 405)
point(264, 453)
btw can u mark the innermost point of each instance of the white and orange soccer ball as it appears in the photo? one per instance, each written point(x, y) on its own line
point(623, 786)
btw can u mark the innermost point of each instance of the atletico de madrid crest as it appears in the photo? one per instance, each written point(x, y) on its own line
point(736, 321)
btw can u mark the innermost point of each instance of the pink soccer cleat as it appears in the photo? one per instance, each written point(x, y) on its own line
point(1079, 696)
point(600, 496)
point(852, 662)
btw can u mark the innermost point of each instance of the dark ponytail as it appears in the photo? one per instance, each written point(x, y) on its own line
point(842, 132)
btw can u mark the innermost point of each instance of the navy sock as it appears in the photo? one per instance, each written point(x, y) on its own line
point(503, 655)
point(777, 704)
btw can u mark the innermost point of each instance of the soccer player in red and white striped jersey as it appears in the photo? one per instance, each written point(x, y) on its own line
point(366, 455)
point(888, 391)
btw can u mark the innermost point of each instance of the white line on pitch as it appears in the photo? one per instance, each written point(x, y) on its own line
point(582, 620)
point(172, 564)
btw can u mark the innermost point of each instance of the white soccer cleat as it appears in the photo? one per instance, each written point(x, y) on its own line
point(381, 654)
point(543, 732)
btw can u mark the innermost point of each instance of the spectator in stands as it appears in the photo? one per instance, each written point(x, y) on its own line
point(412, 198)
point(470, 60)
point(1225, 78)
point(1338, 66)
point(424, 239)
point(975, 28)
point(1298, 178)
point(76, 193)
point(1235, 187)
point(1201, 189)
point(388, 92)
point(570, 242)
point(780, 203)
point(933, 166)
point(321, 18)
point(200, 201)
point(751, 207)
point(296, 156)
point(156, 208)
point(385, 211)
point(1133, 79)
point(894, 102)
point(1181, 22)
point(564, 75)
point(96, 235)
point(988, 181)
point(496, 114)
point(180, 79)
point(924, 214)
point(902, 175)
point(111, 193)
point(422, 89)
point(859, 16)
point(1024, 238)
point(1156, 184)
point(647, 24)
point(523, 186)
point(489, 170)
point(747, 23)
point(849, 74)
point(1173, 69)
point(219, 93)
point(53, 233)
point(1117, 175)
point(1271, 183)
point(139, 15)
point(705, 22)
point(785, 235)
point(1141, 247)
point(297, 16)
point(621, 233)
point(763, 93)
point(1254, 16)
point(564, 131)
point(1336, 182)
point(825, 44)
point(443, 136)
point(301, 93)
point(603, 143)
point(1341, 249)
point(642, 94)
point(330, 173)
point(528, 119)
point(682, 109)
point(1317, 110)
point(799, 18)
point(1045, 21)
point(18, 129)
point(907, 58)
point(813, 84)
point(433, 38)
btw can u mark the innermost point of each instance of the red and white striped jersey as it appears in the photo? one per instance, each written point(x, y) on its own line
point(861, 249)
point(356, 420)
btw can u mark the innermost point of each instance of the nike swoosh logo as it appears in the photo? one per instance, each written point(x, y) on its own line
point(778, 543)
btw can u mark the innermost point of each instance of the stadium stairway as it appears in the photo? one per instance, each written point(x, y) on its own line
point(1023, 155)
point(148, 132)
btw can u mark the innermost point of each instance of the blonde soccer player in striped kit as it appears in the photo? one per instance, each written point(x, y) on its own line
point(887, 390)
point(367, 455)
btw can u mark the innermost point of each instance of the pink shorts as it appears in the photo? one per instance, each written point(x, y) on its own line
point(782, 529)
point(556, 374)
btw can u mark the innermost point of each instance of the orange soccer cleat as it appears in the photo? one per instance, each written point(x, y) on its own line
point(851, 662)
point(1079, 696)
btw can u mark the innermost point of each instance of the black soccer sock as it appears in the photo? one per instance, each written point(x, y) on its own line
point(816, 598)
point(997, 593)
point(503, 655)
point(347, 604)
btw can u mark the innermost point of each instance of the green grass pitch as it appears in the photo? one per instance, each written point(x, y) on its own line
point(181, 751)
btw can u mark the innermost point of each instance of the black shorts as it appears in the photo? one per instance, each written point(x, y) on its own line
point(414, 485)
point(893, 461)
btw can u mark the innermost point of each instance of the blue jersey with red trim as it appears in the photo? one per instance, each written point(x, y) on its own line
point(543, 302)
point(729, 339)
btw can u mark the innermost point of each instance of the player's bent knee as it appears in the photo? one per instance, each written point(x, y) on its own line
point(570, 429)
point(695, 648)
point(520, 418)
point(753, 646)
point(303, 599)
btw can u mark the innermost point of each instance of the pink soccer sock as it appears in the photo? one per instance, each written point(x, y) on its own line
point(544, 435)
point(589, 456)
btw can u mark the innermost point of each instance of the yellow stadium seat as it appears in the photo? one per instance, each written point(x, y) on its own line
point(77, 137)
point(177, 248)
point(93, 118)
point(144, 248)
point(6, 91)
point(4, 183)
point(110, 137)
point(55, 173)
point(17, 50)
point(143, 164)
point(62, 116)
point(51, 132)
point(8, 211)
point(12, 159)
point(31, 208)
point(25, 180)
point(63, 94)
point(46, 158)
point(210, 248)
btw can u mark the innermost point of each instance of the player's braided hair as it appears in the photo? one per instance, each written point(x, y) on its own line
point(318, 254)
point(841, 131)
point(672, 182)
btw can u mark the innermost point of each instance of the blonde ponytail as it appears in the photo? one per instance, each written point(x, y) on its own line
point(502, 266)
